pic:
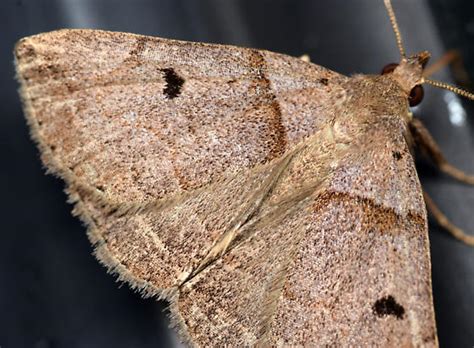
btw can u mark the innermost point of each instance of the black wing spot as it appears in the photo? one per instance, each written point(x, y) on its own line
point(397, 155)
point(174, 82)
point(324, 81)
point(388, 306)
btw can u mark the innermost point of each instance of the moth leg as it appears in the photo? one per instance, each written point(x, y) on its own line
point(444, 222)
point(449, 57)
point(455, 60)
point(423, 139)
point(426, 142)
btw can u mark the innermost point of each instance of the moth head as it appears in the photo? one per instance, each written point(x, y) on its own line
point(409, 75)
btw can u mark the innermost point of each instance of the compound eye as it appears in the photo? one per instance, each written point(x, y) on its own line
point(387, 69)
point(416, 95)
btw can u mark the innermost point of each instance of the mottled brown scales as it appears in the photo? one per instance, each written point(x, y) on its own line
point(273, 202)
point(275, 112)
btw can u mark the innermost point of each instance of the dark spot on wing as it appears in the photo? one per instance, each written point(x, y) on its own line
point(388, 306)
point(397, 155)
point(174, 82)
point(324, 81)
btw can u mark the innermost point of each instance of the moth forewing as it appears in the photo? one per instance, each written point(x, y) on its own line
point(172, 150)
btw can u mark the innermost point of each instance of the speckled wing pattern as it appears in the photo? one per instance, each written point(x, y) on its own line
point(239, 185)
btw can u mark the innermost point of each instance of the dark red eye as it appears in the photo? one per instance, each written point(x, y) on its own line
point(416, 95)
point(387, 69)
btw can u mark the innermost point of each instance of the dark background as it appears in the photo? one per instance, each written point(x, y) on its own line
point(53, 293)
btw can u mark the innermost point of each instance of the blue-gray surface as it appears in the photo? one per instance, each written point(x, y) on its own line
point(53, 293)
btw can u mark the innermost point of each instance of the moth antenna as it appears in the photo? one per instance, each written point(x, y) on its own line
point(393, 20)
point(454, 89)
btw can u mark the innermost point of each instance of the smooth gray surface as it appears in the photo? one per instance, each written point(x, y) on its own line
point(53, 293)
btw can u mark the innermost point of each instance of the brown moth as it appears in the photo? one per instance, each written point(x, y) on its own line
point(271, 201)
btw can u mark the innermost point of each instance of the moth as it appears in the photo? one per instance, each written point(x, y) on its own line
point(271, 201)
